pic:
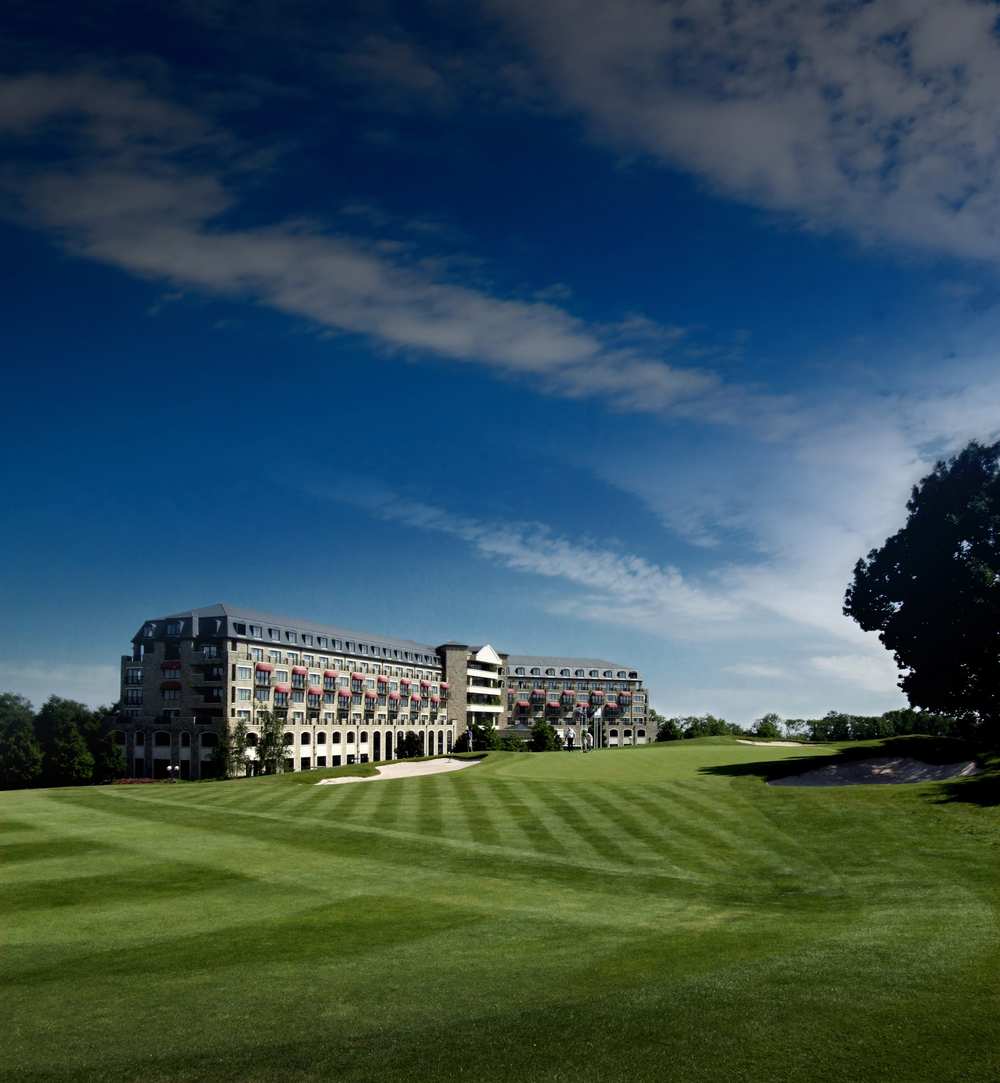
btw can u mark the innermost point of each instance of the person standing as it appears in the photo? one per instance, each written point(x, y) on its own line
point(570, 737)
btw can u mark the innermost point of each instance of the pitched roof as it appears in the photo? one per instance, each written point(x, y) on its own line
point(545, 661)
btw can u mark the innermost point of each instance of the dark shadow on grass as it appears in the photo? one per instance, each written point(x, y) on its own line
point(919, 747)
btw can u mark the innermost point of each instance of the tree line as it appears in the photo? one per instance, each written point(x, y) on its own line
point(64, 743)
point(833, 726)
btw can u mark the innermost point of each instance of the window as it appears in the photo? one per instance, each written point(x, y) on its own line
point(298, 718)
point(321, 738)
point(304, 738)
point(133, 696)
point(536, 672)
point(243, 673)
point(262, 694)
point(173, 627)
point(170, 695)
point(274, 656)
point(244, 716)
point(288, 739)
point(308, 660)
point(298, 695)
point(140, 738)
point(255, 631)
point(550, 673)
point(323, 642)
point(350, 737)
point(281, 675)
point(273, 633)
point(336, 737)
point(243, 695)
point(281, 699)
point(291, 637)
point(149, 631)
point(257, 654)
point(133, 676)
point(292, 658)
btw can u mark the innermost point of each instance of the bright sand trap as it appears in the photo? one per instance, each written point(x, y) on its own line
point(402, 770)
point(884, 769)
point(775, 744)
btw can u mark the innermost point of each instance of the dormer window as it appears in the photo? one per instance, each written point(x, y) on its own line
point(149, 631)
point(593, 673)
point(550, 673)
point(579, 673)
point(519, 671)
point(564, 673)
point(607, 673)
point(173, 627)
point(536, 672)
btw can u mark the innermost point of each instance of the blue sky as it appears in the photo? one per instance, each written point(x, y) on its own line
point(621, 332)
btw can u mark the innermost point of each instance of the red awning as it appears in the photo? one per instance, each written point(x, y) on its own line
point(174, 663)
point(444, 684)
point(300, 669)
point(553, 703)
point(369, 695)
point(345, 692)
point(393, 695)
point(265, 666)
point(382, 680)
point(597, 692)
point(569, 692)
point(314, 691)
point(624, 695)
point(406, 680)
point(522, 703)
point(357, 676)
point(425, 684)
point(281, 688)
point(538, 693)
point(414, 695)
point(330, 673)
point(170, 684)
point(435, 699)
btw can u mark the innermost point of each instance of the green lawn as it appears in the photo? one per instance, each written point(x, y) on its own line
point(655, 913)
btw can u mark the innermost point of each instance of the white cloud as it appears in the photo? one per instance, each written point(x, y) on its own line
point(93, 685)
point(874, 672)
point(879, 117)
point(756, 669)
point(145, 186)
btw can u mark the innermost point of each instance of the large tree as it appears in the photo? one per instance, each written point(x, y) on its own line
point(60, 726)
point(932, 591)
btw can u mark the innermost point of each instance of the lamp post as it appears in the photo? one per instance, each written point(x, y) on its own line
point(173, 772)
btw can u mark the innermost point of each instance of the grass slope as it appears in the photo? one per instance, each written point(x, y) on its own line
point(653, 913)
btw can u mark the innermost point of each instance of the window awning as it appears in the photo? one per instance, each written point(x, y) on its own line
point(345, 692)
point(382, 680)
point(301, 670)
point(357, 676)
point(435, 699)
point(165, 685)
point(174, 663)
point(553, 703)
point(281, 688)
point(393, 695)
point(369, 695)
point(522, 703)
point(539, 693)
point(314, 691)
point(406, 680)
point(330, 673)
point(425, 684)
point(444, 684)
point(596, 692)
point(265, 667)
point(414, 695)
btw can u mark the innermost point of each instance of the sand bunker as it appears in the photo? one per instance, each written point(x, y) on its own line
point(885, 769)
point(402, 770)
point(774, 744)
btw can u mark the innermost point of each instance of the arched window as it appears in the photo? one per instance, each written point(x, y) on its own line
point(550, 673)
point(304, 738)
point(612, 733)
point(252, 740)
point(564, 673)
point(321, 738)
point(209, 740)
point(579, 673)
point(161, 739)
point(536, 672)
point(350, 737)
point(363, 739)
point(335, 737)
point(185, 740)
point(640, 733)
point(289, 739)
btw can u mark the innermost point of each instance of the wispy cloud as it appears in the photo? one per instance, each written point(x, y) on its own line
point(878, 117)
point(150, 187)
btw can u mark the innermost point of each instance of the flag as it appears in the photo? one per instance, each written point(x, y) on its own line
point(598, 714)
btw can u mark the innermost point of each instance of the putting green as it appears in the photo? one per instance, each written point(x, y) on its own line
point(654, 913)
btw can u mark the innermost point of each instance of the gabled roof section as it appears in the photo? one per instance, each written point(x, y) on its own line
point(545, 661)
point(488, 655)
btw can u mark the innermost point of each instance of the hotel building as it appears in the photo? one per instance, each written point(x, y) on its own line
point(343, 696)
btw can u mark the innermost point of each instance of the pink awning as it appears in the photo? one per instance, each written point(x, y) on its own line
point(174, 663)
point(170, 684)
point(345, 692)
point(425, 684)
point(553, 703)
point(357, 676)
point(314, 691)
point(522, 703)
point(444, 684)
point(393, 695)
point(435, 699)
point(266, 667)
point(281, 688)
point(369, 695)
point(300, 670)
point(330, 673)
point(382, 680)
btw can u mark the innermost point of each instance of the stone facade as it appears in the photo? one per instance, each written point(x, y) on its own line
point(343, 697)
